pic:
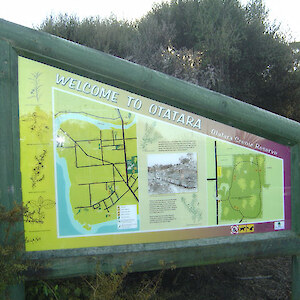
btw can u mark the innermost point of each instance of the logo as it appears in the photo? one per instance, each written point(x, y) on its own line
point(234, 229)
point(279, 225)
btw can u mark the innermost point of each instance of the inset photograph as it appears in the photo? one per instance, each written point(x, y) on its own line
point(172, 173)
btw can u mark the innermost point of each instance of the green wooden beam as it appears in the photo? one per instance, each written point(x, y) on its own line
point(141, 80)
point(295, 188)
point(296, 278)
point(10, 183)
point(73, 262)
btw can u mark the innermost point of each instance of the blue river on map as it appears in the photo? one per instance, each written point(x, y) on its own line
point(68, 226)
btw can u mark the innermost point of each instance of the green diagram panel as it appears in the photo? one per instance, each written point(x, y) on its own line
point(248, 185)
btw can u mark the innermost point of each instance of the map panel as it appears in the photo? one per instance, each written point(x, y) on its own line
point(249, 185)
point(99, 151)
point(102, 166)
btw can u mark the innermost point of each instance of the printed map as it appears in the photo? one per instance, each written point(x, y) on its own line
point(97, 151)
point(246, 184)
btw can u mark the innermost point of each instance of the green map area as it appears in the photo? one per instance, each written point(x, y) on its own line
point(100, 152)
point(249, 185)
point(240, 187)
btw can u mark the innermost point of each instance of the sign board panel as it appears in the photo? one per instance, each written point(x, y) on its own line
point(102, 166)
point(114, 162)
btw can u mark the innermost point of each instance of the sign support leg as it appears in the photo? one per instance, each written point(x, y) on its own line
point(296, 277)
point(16, 291)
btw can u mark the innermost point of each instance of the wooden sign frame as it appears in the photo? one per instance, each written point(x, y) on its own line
point(17, 41)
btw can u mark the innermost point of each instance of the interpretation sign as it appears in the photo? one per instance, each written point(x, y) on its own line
point(102, 166)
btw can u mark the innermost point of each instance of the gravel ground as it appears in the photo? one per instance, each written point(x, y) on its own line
point(247, 280)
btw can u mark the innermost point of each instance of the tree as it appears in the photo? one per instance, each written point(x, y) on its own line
point(250, 58)
point(218, 44)
point(107, 35)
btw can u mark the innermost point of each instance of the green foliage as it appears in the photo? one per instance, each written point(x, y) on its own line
point(247, 56)
point(218, 44)
point(104, 286)
point(107, 286)
point(73, 289)
point(12, 264)
point(107, 35)
point(153, 36)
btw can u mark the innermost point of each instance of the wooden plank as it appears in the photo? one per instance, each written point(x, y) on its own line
point(100, 66)
point(6, 172)
point(180, 254)
point(15, 135)
point(296, 277)
point(10, 186)
point(295, 188)
point(16, 291)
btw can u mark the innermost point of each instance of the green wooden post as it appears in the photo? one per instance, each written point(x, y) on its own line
point(295, 160)
point(16, 292)
point(10, 192)
point(296, 278)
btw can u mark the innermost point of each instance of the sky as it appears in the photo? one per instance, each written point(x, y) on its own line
point(32, 12)
point(285, 12)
